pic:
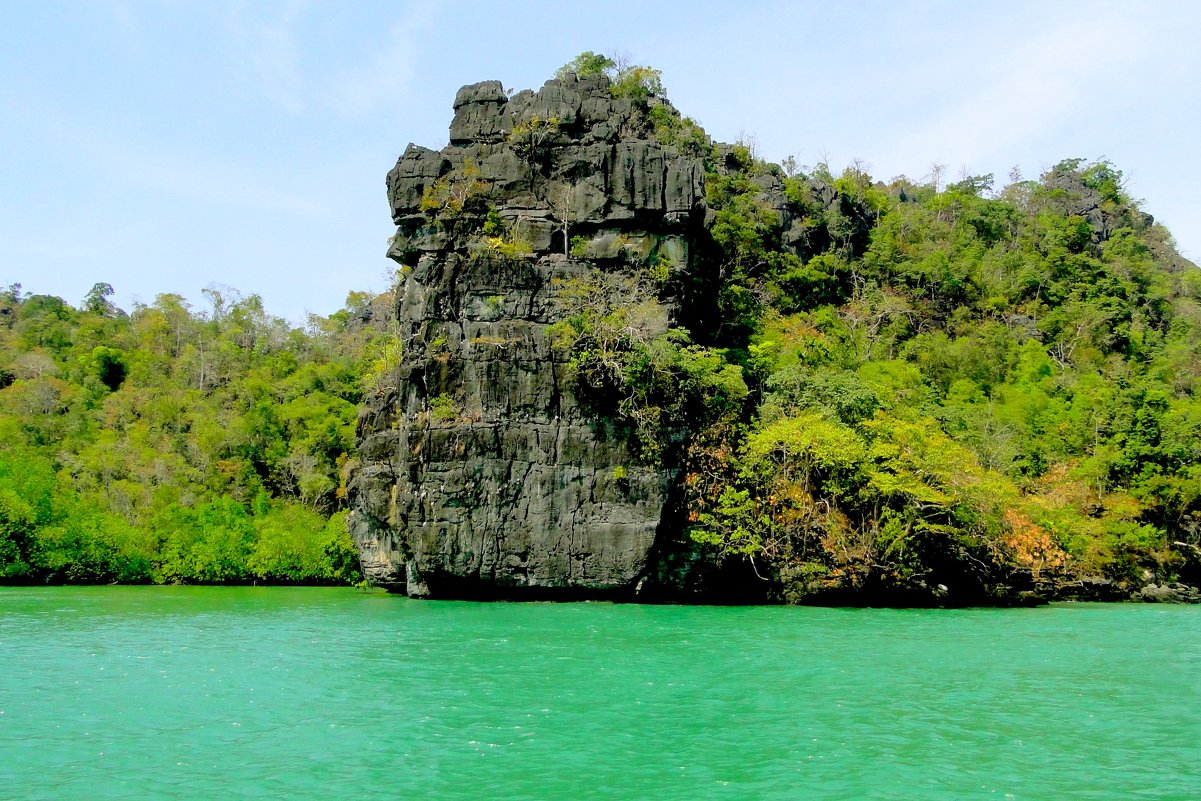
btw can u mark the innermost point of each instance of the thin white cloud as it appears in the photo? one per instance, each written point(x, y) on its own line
point(1028, 89)
point(213, 182)
point(264, 42)
point(384, 75)
point(81, 242)
point(275, 55)
point(127, 160)
point(126, 23)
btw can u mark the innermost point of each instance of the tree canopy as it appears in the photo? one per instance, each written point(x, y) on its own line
point(179, 445)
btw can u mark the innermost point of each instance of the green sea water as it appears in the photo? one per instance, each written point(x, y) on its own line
point(206, 693)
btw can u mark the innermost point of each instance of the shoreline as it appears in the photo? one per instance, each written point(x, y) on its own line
point(1170, 594)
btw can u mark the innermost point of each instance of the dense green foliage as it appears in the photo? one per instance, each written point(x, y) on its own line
point(916, 379)
point(586, 64)
point(170, 445)
point(1007, 378)
point(632, 81)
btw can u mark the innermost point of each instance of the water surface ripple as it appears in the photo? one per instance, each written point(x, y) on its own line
point(185, 693)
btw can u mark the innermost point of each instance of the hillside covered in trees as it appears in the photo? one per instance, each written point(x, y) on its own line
point(175, 445)
point(1005, 375)
point(865, 388)
point(948, 370)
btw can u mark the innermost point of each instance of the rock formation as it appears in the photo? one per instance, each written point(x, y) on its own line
point(482, 473)
point(545, 433)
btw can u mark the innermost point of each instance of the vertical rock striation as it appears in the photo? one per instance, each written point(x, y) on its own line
point(481, 471)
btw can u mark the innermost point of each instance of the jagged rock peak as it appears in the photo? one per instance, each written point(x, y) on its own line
point(584, 108)
point(570, 152)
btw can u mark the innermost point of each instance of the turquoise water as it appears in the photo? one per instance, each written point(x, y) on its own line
point(148, 692)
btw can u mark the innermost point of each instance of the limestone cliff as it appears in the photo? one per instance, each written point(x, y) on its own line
point(636, 364)
point(481, 472)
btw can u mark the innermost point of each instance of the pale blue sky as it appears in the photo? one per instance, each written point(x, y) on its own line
point(165, 146)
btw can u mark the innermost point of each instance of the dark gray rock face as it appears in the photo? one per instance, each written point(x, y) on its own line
point(480, 471)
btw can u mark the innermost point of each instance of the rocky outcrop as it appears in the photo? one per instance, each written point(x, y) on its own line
point(1169, 593)
point(504, 452)
point(481, 472)
point(1077, 197)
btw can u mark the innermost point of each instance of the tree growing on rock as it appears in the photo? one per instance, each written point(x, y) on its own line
point(453, 192)
point(531, 138)
point(561, 198)
point(627, 79)
point(585, 65)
